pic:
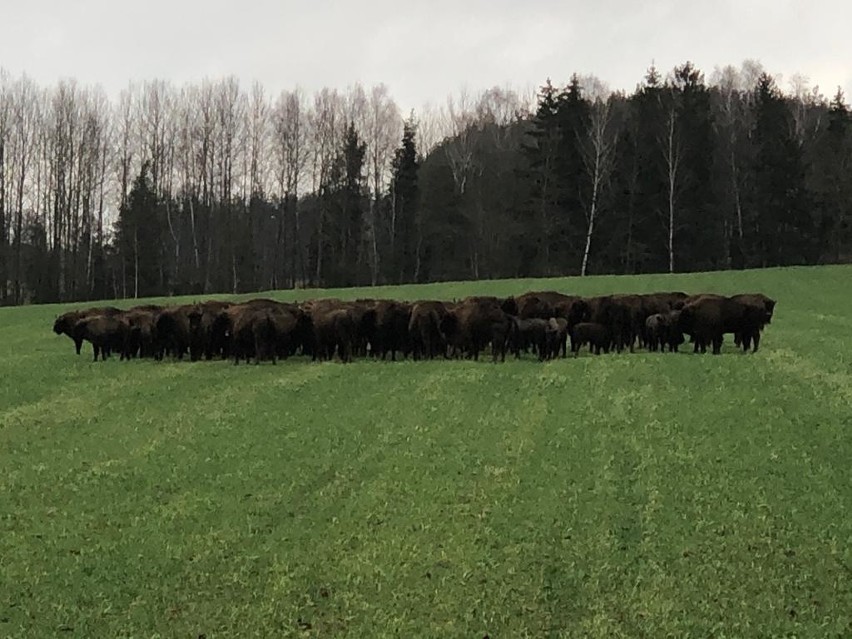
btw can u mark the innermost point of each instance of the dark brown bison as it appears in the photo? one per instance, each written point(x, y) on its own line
point(252, 333)
point(291, 327)
point(142, 326)
point(362, 315)
point(335, 330)
point(259, 329)
point(64, 324)
point(174, 331)
point(530, 334)
point(208, 338)
point(474, 323)
point(390, 334)
point(708, 317)
point(424, 330)
point(617, 316)
point(635, 309)
point(106, 333)
point(597, 336)
point(756, 299)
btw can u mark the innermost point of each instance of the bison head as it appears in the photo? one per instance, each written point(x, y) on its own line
point(65, 323)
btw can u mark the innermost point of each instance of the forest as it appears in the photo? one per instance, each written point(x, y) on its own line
point(214, 188)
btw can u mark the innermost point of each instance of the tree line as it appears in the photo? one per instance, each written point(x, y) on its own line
point(213, 188)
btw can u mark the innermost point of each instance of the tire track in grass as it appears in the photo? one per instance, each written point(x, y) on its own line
point(90, 396)
point(423, 535)
point(366, 506)
point(804, 369)
point(137, 461)
point(69, 493)
point(727, 493)
point(612, 497)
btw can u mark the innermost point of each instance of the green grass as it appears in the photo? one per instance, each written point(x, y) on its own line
point(642, 495)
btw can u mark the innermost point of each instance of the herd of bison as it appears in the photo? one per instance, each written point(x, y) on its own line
point(538, 322)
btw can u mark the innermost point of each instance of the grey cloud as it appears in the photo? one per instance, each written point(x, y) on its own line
point(422, 51)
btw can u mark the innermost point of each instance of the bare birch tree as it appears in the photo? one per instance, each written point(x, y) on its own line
point(327, 129)
point(290, 146)
point(230, 115)
point(5, 118)
point(462, 124)
point(670, 143)
point(258, 130)
point(598, 149)
point(382, 129)
point(90, 175)
point(732, 123)
point(432, 127)
point(188, 167)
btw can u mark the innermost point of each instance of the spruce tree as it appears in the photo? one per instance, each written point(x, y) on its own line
point(830, 179)
point(404, 194)
point(139, 234)
point(542, 173)
point(572, 117)
point(700, 229)
point(345, 260)
point(783, 227)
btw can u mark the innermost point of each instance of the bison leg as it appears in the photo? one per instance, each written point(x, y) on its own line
point(717, 344)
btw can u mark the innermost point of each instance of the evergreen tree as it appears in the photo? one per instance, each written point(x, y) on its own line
point(443, 228)
point(700, 228)
point(647, 173)
point(572, 117)
point(540, 151)
point(139, 235)
point(783, 229)
point(345, 262)
point(404, 194)
point(829, 178)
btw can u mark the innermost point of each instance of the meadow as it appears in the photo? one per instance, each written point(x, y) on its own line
point(631, 495)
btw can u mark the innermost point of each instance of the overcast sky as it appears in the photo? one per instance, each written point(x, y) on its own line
point(423, 50)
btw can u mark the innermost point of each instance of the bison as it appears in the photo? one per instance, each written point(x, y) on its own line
point(597, 336)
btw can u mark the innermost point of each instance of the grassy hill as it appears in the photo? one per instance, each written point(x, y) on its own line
point(624, 495)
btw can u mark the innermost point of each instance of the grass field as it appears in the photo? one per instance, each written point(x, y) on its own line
point(642, 495)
